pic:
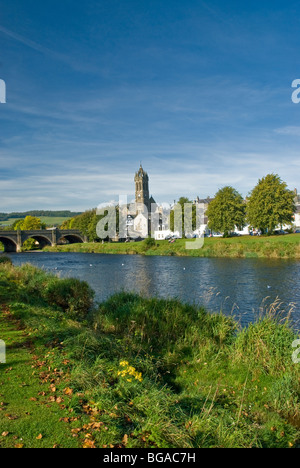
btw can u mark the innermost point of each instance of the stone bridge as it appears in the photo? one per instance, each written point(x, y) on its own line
point(13, 240)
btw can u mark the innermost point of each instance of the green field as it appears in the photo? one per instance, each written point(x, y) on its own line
point(50, 221)
point(138, 373)
point(237, 247)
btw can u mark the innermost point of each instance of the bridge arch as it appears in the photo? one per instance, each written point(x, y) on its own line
point(42, 240)
point(72, 238)
point(10, 244)
point(14, 240)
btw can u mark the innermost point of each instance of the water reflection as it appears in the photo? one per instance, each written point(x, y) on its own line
point(237, 286)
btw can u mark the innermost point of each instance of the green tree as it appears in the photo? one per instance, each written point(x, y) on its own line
point(66, 224)
point(92, 233)
point(177, 215)
point(17, 225)
point(227, 211)
point(82, 221)
point(270, 204)
point(87, 223)
point(30, 223)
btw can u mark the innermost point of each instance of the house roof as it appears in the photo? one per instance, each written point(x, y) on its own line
point(206, 201)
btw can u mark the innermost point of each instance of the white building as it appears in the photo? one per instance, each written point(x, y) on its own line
point(243, 232)
point(297, 217)
point(141, 225)
point(161, 235)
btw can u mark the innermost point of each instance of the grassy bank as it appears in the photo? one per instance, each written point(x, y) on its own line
point(238, 247)
point(134, 372)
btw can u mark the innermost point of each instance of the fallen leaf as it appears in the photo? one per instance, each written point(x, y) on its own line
point(76, 431)
point(89, 444)
point(97, 425)
point(10, 417)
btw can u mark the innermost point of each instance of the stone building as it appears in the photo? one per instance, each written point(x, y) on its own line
point(142, 194)
point(143, 205)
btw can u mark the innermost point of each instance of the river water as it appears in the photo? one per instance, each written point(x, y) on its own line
point(242, 287)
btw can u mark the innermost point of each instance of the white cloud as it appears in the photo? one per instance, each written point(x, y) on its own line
point(289, 130)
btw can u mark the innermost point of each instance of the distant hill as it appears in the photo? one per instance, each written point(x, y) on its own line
point(39, 214)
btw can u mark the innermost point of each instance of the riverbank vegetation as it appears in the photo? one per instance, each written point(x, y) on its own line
point(135, 372)
point(285, 247)
point(270, 205)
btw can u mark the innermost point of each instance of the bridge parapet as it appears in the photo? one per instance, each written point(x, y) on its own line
point(14, 240)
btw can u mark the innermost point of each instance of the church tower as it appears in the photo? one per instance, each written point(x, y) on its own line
point(141, 190)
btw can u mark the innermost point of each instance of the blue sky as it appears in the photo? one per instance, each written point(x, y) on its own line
point(199, 91)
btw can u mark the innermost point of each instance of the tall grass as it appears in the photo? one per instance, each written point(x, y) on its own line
point(281, 247)
point(73, 296)
point(159, 373)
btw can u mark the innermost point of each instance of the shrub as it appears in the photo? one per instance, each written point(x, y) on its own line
point(265, 344)
point(150, 242)
point(162, 326)
point(32, 282)
point(4, 259)
point(75, 297)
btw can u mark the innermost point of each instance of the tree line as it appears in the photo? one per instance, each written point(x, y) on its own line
point(87, 222)
point(38, 213)
point(269, 205)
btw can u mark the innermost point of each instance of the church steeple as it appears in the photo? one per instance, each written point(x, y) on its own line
point(142, 189)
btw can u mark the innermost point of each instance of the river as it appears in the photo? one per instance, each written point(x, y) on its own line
point(242, 287)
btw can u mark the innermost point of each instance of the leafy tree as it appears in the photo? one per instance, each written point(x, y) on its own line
point(227, 211)
point(177, 214)
point(87, 223)
point(30, 223)
point(17, 225)
point(92, 233)
point(271, 204)
point(66, 224)
point(83, 221)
